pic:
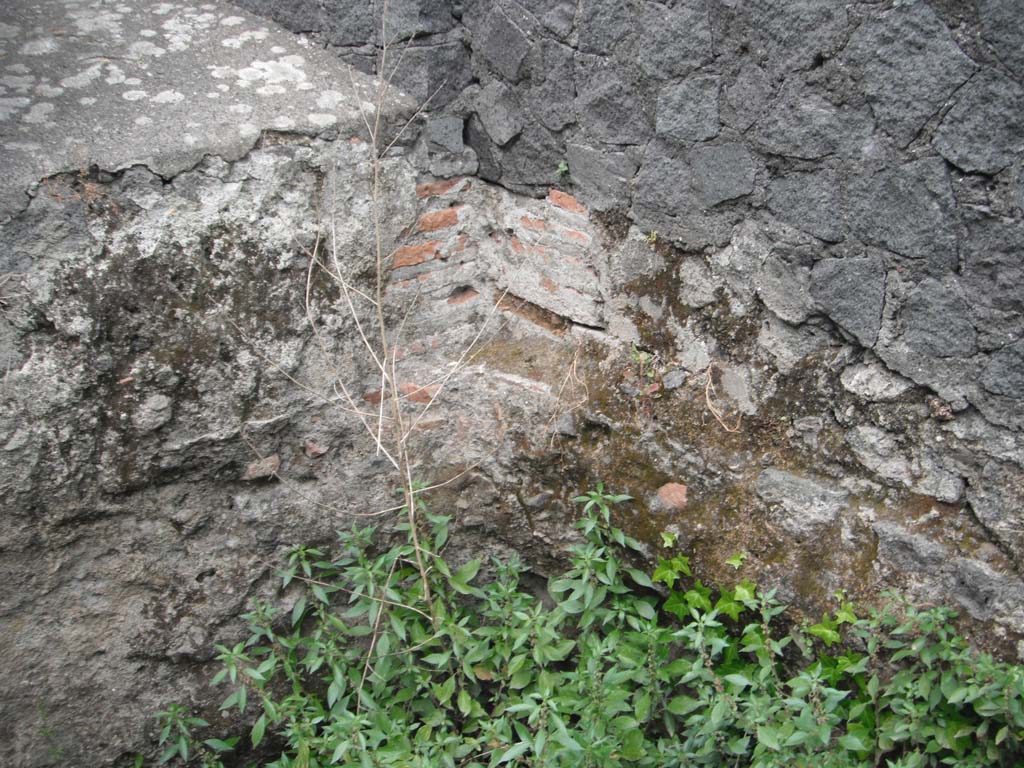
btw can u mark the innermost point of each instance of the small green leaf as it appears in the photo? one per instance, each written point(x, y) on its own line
point(258, 728)
point(736, 561)
point(516, 750)
point(769, 737)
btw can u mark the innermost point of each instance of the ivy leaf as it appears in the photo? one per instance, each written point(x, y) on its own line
point(736, 561)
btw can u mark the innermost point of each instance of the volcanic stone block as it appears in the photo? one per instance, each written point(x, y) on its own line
point(721, 172)
point(852, 293)
point(810, 202)
point(908, 209)
point(936, 320)
point(984, 131)
point(909, 65)
point(688, 111)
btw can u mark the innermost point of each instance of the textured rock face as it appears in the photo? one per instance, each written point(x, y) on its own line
point(781, 280)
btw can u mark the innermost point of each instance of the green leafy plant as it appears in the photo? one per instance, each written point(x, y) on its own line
point(563, 169)
point(617, 669)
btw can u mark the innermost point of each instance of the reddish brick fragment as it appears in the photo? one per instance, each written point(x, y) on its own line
point(672, 496)
point(531, 223)
point(566, 201)
point(411, 255)
point(462, 295)
point(263, 469)
point(418, 394)
point(436, 188)
point(548, 284)
point(575, 234)
point(435, 220)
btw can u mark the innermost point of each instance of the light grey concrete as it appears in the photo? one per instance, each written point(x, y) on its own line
point(117, 83)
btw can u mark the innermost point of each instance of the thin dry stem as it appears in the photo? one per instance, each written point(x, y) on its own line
point(709, 400)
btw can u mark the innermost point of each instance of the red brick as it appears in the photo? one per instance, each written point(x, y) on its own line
point(575, 234)
point(434, 220)
point(462, 295)
point(411, 255)
point(531, 223)
point(418, 394)
point(517, 245)
point(566, 201)
point(436, 188)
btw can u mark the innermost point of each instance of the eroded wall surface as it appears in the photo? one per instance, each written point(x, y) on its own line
point(782, 270)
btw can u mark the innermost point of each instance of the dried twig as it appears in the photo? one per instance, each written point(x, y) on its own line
point(709, 400)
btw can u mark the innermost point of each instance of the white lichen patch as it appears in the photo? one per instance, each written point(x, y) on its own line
point(19, 83)
point(278, 50)
point(232, 21)
point(164, 8)
point(83, 78)
point(329, 99)
point(94, 21)
point(286, 69)
point(142, 48)
point(143, 120)
point(168, 97)
point(250, 35)
point(148, 33)
point(12, 105)
point(49, 91)
point(87, 101)
point(115, 75)
point(322, 120)
point(134, 95)
point(248, 130)
point(271, 90)
point(39, 113)
point(40, 46)
point(241, 109)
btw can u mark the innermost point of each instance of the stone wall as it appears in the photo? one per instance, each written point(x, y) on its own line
point(782, 270)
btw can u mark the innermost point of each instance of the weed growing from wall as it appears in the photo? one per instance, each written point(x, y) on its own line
point(617, 669)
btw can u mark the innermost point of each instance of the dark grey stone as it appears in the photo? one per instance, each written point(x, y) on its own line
point(804, 124)
point(810, 202)
point(612, 101)
point(688, 111)
point(529, 163)
point(659, 187)
point(984, 131)
point(673, 40)
point(601, 177)
point(909, 65)
point(1001, 27)
point(499, 113)
point(444, 133)
point(721, 172)
point(851, 291)
point(992, 279)
point(908, 209)
point(502, 44)
point(785, 36)
point(935, 320)
point(747, 97)
point(605, 26)
point(556, 15)
point(548, 90)
point(1004, 374)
